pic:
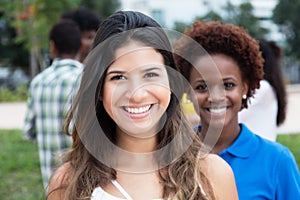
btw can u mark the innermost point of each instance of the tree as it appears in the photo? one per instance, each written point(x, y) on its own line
point(286, 14)
point(32, 20)
point(29, 22)
point(243, 16)
point(211, 16)
point(180, 26)
point(12, 54)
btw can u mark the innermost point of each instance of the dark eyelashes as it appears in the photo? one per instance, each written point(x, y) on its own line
point(229, 85)
point(117, 77)
point(203, 87)
point(151, 74)
point(122, 77)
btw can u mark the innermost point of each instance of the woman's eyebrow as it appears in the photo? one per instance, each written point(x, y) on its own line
point(229, 79)
point(123, 72)
point(115, 72)
point(152, 68)
point(200, 81)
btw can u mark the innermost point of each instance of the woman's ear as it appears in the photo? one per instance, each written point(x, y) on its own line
point(245, 88)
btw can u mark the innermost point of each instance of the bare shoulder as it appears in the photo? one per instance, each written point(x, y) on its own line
point(59, 179)
point(221, 177)
point(217, 166)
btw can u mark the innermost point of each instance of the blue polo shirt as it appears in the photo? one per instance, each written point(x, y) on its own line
point(262, 169)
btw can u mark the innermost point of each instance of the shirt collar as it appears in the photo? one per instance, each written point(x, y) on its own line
point(243, 144)
point(66, 61)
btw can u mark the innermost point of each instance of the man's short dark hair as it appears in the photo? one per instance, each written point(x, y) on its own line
point(66, 36)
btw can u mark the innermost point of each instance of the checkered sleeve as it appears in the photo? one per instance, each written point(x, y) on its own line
point(29, 130)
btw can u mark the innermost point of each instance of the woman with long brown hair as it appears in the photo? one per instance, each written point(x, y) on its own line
point(130, 138)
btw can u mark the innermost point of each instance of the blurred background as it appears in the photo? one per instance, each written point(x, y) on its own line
point(25, 24)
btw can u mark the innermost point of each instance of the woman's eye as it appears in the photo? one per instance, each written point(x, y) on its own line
point(118, 77)
point(201, 87)
point(149, 75)
point(228, 85)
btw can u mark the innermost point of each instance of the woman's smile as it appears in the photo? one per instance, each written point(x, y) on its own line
point(217, 110)
point(138, 112)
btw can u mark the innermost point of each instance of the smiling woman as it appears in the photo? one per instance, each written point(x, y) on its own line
point(223, 80)
point(131, 139)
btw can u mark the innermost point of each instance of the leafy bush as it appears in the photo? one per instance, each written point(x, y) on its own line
point(19, 94)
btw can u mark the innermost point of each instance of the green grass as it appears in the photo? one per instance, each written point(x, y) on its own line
point(20, 176)
point(292, 141)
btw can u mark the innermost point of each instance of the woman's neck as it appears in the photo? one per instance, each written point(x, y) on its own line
point(135, 154)
point(136, 144)
point(220, 138)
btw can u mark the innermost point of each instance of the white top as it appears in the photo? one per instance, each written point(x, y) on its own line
point(260, 117)
point(100, 194)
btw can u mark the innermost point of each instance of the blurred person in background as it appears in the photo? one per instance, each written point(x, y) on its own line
point(267, 108)
point(88, 22)
point(49, 96)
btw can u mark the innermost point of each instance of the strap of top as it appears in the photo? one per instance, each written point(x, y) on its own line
point(121, 189)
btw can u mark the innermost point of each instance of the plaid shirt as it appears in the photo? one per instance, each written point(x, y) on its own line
point(50, 96)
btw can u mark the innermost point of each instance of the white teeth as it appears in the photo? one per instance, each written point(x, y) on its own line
point(137, 110)
point(217, 110)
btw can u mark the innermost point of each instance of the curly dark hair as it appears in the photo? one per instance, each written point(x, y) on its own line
point(219, 38)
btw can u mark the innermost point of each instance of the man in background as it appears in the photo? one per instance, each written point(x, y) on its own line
point(49, 96)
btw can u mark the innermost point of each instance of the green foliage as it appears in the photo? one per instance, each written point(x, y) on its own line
point(20, 176)
point(28, 24)
point(243, 16)
point(31, 21)
point(210, 16)
point(11, 53)
point(40, 15)
point(20, 94)
point(286, 14)
point(291, 141)
point(180, 26)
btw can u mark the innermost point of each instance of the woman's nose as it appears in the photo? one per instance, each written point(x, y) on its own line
point(137, 91)
point(216, 94)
